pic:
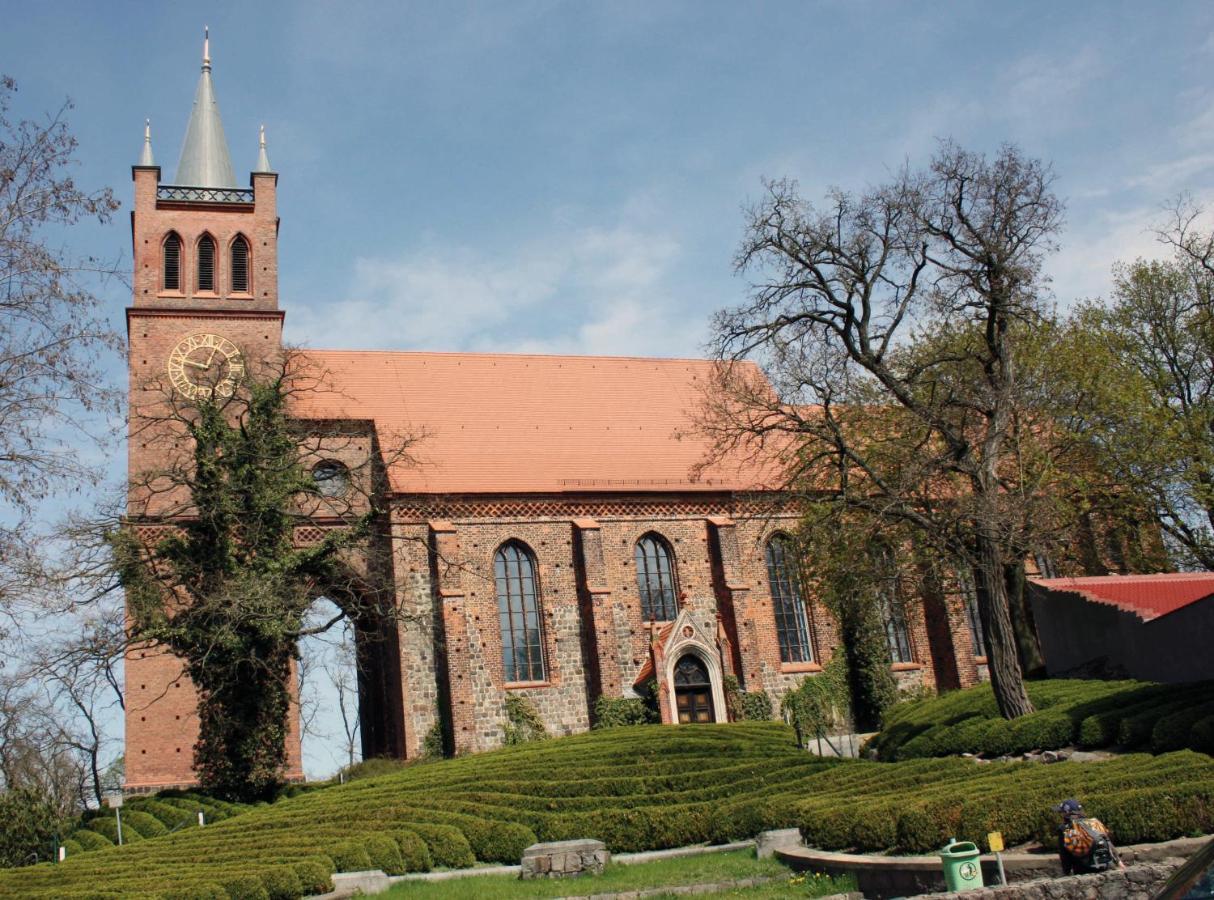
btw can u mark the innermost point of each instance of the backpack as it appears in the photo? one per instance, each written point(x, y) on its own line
point(1087, 840)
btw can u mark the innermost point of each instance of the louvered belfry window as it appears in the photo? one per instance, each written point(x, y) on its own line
point(172, 262)
point(240, 266)
point(206, 264)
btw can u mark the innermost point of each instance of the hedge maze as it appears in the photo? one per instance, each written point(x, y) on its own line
point(636, 788)
point(1129, 715)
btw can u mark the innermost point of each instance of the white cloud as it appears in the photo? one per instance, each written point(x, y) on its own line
point(1083, 267)
point(1043, 92)
point(588, 290)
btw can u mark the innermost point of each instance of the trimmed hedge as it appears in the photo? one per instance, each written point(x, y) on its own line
point(1092, 714)
point(447, 845)
point(315, 875)
point(637, 788)
point(351, 856)
point(384, 854)
point(413, 851)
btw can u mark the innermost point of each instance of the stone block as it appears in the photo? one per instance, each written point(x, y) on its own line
point(768, 842)
point(564, 859)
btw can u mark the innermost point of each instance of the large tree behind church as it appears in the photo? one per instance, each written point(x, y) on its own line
point(228, 589)
point(891, 324)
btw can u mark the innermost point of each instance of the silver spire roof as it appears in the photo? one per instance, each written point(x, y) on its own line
point(263, 161)
point(145, 156)
point(204, 154)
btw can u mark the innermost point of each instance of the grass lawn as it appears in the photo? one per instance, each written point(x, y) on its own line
point(1128, 715)
point(714, 867)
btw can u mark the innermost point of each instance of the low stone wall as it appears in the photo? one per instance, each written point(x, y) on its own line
point(901, 876)
point(1132, 883)
point(564, 859)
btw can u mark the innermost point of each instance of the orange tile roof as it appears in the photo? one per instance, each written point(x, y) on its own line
point(507, 423)
point(1147, 596)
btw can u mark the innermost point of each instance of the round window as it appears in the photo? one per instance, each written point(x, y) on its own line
point(332, 478)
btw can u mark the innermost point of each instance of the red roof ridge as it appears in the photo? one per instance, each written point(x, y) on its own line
point(483, 354)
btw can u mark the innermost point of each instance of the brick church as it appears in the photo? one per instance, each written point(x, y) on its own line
point(546, 538)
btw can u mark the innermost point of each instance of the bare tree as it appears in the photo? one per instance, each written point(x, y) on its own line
point(341, 670)
point(52, 330)
point(888, 324)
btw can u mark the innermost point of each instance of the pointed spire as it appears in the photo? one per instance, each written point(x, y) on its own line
point(263, 160)
point(204, 153)
point(145, 156)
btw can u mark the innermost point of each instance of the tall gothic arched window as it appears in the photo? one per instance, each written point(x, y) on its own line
point(792, 623)
point(893, 608)
point(656, 579)
point(172, 262)
point(518, 607)
point(206, 263)
point(240, 265)
point(969, 596)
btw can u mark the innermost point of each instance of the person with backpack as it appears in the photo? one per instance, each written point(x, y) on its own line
point(1084, 844)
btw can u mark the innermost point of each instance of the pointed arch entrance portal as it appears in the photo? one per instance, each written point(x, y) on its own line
point(693, 691)
point(686, 665)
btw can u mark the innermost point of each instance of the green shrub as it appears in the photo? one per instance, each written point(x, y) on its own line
point(384, 854)
point(145, 824)
point(351, 856)
point(645, 788)
point(372, 768)
point(107, 827)
point(28, 823)
point(916, 831)
point(433, 745)
point(501, 842)
point(203, 890)
point(91, 840)
point(756, 706)
point(523, 723)
point(413, 851)
point(997, 739)
point(281, 882)
point(245, 887)
point(168, 815)
point(1135, 731)
point(1099, 730)
point(1201, 735)
point(1100, 714)
point(447, 844)
point(1047, 730)
point(1174, 731)
point(315, 875)
point(612, 711)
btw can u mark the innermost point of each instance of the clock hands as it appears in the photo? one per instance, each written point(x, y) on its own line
point(199, 365)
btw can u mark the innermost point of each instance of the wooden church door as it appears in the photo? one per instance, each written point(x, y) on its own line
point(693, 691)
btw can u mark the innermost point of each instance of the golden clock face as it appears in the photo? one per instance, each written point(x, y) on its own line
point(203, 366)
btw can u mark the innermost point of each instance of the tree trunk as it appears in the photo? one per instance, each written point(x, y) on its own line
point(1003, 660)
point(1032, 663)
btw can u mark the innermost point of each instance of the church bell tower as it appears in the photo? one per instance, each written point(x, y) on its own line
point(204, 313)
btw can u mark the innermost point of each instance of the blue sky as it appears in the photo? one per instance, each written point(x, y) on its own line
point(569, 177)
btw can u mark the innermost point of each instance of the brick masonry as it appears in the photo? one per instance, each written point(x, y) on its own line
point(440, 662)
point(595, 638)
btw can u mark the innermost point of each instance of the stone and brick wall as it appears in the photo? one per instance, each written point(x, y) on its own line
point(595, 637)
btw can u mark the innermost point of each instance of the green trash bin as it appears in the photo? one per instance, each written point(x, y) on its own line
point(962, 868)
